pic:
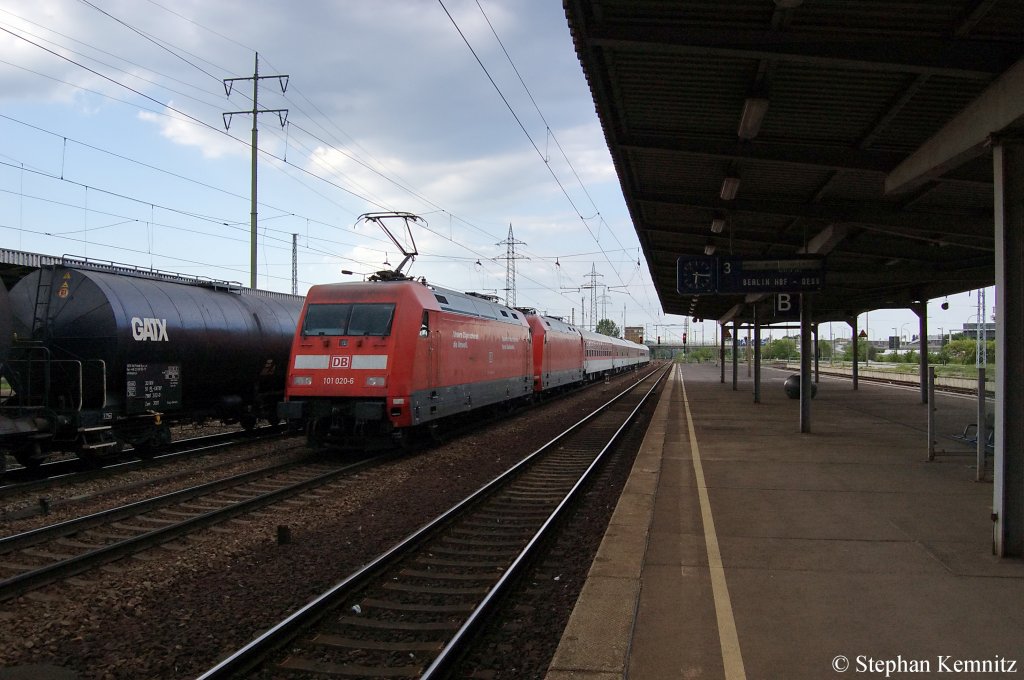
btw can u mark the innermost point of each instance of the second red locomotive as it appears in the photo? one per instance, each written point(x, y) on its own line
point(376, 362)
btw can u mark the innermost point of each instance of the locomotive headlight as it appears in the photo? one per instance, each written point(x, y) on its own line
point(302, 380)
point(376, 382)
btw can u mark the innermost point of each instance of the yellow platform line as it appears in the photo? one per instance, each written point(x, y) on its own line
point(732, 658)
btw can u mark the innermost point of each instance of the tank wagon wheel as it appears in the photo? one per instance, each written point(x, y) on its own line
point(145, 450)
point(248, 421)
point(29, 455)
point(90, 459)
point(163, 436)
point(158, 439)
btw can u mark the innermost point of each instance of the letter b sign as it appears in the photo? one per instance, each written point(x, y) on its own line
point(787, 306)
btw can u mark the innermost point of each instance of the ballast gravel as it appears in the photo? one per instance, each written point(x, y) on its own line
point(174, 611)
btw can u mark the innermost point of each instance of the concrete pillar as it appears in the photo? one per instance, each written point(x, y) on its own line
point(735, 352)
point(817, 352)
point(757, 357)
point(1008, 463)
point(855, 341)
point(922, 346)
point(721, 353)
point(805, 362)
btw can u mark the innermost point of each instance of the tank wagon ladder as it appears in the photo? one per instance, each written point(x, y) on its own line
point(40, 316)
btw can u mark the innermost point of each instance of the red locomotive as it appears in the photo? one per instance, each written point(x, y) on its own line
point(558, 353)
point(377, 362)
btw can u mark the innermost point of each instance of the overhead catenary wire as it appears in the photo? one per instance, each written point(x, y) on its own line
point(197, 121)
point(299, 173)
point(522, 127)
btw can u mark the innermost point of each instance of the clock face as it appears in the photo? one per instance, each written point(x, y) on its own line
point(696, 275)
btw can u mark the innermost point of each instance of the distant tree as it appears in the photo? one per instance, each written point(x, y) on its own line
point(701, 354)
point(607, 327)
point(783, 348)
point(962, 351)
point(825, 349)
point(864, 351)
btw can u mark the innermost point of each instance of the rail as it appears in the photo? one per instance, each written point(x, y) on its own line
point(241, 493)
point(442, 580)
point(960, 384)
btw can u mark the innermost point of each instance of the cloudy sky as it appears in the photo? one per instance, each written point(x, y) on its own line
point(473, 114)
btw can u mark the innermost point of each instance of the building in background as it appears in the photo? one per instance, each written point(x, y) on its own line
point(634, 334)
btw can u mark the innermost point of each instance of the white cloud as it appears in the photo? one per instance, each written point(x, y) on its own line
point(393, 82)
point(180, 130)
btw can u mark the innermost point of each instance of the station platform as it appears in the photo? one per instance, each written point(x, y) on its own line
point(741, 548)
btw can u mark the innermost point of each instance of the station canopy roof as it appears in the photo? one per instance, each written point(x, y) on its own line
point(860, 130)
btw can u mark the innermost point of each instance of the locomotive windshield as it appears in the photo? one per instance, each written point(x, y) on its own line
point(348, 319)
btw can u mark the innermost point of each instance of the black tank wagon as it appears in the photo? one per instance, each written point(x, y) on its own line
point(5, 324)
point(111, 355)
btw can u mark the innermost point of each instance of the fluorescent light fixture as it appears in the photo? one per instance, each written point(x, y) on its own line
point(717, 225)
point(709, 249)
point(754, 109)
point(730, 185)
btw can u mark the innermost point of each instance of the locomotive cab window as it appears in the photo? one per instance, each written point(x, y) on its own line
point(371, 319)
point(326, 319)
point(348, 319)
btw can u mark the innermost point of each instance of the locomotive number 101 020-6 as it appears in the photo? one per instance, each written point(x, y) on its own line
point(331, 380)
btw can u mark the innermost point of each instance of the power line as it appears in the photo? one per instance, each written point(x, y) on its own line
point(510, 258)
point(256, 111)
point(148, 37)
point(529, 137)
point(289, 168)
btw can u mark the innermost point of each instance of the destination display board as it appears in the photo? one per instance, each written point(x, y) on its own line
point(735, 275)
point(152, 387)
point(796, 275)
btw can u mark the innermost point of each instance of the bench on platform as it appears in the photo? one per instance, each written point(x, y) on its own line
point(970, 433)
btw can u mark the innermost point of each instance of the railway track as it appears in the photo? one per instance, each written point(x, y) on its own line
point(902, 380)
point(58, 473)
point(35, 558)
point(412, 611)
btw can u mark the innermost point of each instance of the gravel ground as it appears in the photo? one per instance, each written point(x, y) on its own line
point(525, 633)
point(172, 612)
point(19, 512)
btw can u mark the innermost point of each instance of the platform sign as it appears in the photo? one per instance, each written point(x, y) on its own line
point(795, 275)
point(785, 307)
point(152, 387)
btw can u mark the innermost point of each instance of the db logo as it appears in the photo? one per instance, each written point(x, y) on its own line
point(341, 362)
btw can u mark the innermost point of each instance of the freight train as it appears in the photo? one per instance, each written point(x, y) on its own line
point(106, 355)
point(394, 358)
